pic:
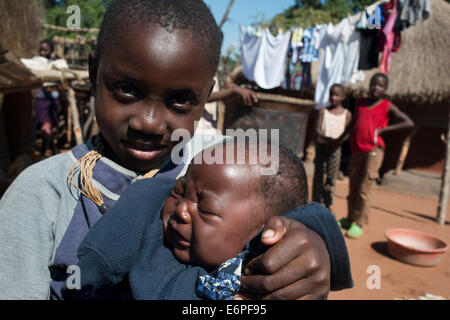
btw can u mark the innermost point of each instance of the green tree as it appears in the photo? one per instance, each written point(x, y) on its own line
point(92, 12)
point(338, 8)
point(315, 4)
point(301, 17)
point(305, 13)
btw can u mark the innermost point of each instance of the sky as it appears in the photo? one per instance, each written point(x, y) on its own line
point(245, 12)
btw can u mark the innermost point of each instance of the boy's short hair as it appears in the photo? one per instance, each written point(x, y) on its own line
point(190, 15)
point(381, 75)
point(288, 188)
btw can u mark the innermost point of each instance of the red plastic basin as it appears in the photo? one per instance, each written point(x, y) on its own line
point(415, 247)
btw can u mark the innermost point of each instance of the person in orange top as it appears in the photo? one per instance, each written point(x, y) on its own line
point(372, 117)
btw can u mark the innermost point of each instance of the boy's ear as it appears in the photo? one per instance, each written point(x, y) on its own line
point(93, 67)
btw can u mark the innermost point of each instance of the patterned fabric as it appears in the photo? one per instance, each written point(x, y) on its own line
point(327, 162)
point(309, 53)
point(224, 282)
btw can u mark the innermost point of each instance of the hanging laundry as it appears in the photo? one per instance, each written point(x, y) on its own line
point(414, 10)
point(398, 27)
point(264, 58)
point(318, 33)
point(351, 73)
point(397, 40)
point(334, 67)
point(296, 44)
point(254, 32)
point(368, 49)
point(388, 31)
point(306, 81)
point(293, 72)
point(312, 38)
point(362, 23)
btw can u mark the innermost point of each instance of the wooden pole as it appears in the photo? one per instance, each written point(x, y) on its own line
point(225, 16)
point(69, 126)
point(75, 117)
point(220, 104)
point(443, 196)
point(404, 152)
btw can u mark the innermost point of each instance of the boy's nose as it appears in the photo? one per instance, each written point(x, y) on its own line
point(150, 121)
point(182, 211)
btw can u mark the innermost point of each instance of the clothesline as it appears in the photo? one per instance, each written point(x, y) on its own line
point(349, 47)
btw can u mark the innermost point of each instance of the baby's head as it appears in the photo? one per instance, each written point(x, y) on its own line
point(152, 74)
point(215, 209)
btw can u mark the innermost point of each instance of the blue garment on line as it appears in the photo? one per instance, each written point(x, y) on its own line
point(308, 53)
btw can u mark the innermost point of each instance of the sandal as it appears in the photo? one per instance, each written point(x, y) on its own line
point(354, 231)
point(344, 223)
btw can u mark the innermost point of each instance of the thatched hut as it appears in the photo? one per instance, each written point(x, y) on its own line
point(419, 84)
point(20, 22)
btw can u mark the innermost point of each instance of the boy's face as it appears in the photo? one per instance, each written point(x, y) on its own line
point(212, 213)
point(377, 87)
point(148, 85)
point(336, 96)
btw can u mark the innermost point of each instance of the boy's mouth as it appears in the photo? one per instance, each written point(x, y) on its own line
point(143, 151)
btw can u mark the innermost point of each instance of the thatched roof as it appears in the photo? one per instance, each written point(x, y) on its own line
point(420, 69)
point(20, 25)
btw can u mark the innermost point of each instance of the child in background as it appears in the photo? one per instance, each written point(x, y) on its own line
point(367, 146)
point(332, 129)
point(46, 105)
point(152, 74)
point(207, 221)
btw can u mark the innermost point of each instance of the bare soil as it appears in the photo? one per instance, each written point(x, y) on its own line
point(398, 280)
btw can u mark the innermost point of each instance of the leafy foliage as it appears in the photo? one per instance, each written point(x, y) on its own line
point(306, 13)
point(92, 12)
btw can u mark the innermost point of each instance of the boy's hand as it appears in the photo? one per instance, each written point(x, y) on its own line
point(296, 267)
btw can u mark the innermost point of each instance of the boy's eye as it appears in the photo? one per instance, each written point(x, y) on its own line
point(126, 92)
point(181, 102)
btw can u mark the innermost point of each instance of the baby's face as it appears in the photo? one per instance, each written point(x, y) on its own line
point(212, 213)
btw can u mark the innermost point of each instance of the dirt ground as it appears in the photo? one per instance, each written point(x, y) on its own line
point(398, 280)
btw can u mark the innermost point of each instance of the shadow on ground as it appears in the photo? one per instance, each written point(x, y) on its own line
point(381, 248)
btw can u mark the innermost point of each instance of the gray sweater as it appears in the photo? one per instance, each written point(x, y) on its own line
point(43, 219)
